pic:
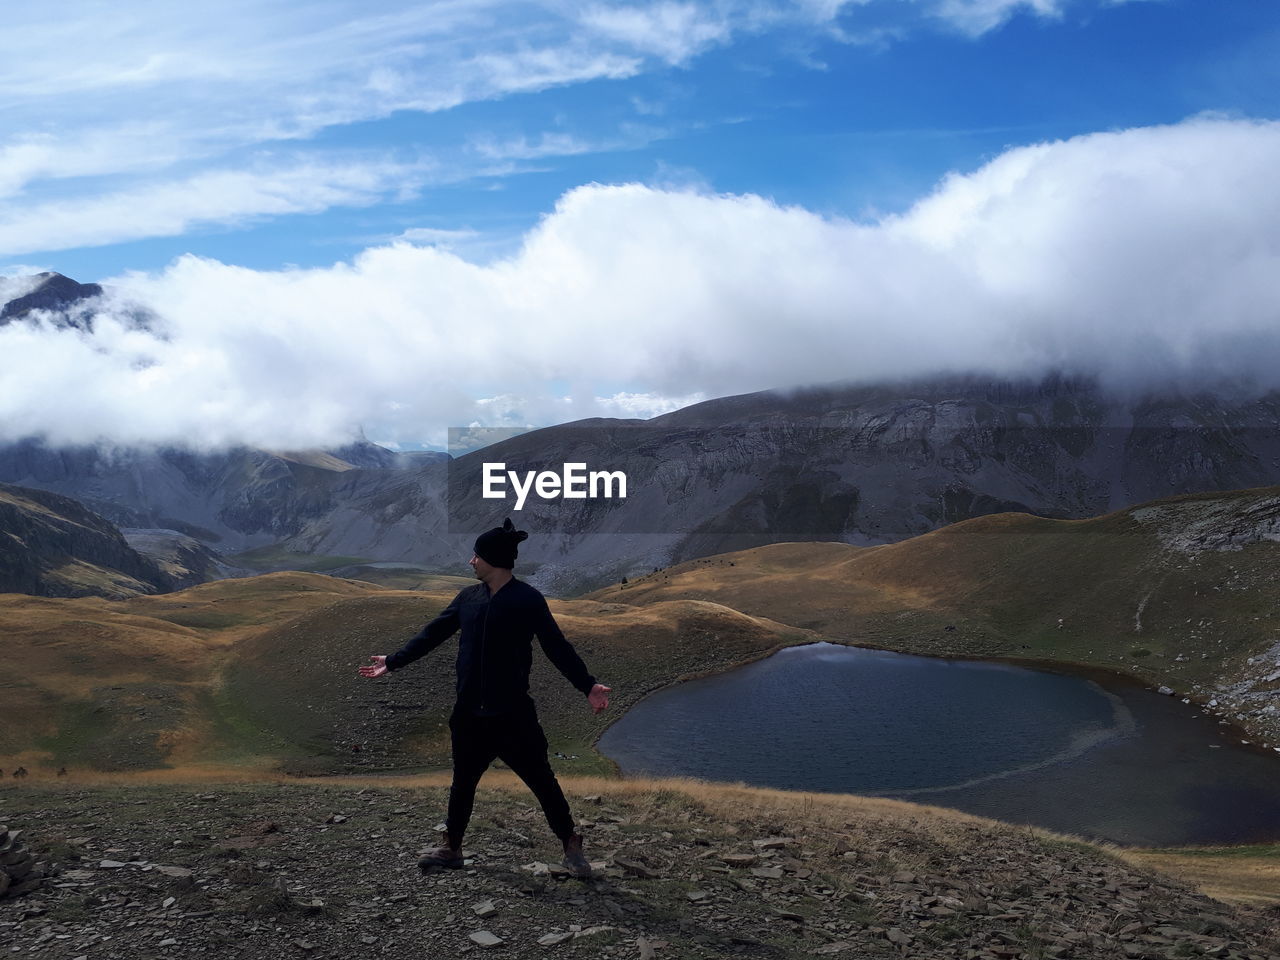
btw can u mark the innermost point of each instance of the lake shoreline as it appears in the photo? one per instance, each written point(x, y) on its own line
point(1063, 667)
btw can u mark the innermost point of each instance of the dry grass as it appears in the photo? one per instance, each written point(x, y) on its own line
point(1240, 875)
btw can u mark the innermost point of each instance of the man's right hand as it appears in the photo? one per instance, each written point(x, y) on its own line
point(378, 668)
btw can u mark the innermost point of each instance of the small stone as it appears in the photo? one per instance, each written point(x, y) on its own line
point(697, 896)
point(484, 908)
point(486, 939)
point(336, 818)
point(634, 868)
point(168, 902)
point(551, 939)
point(773, 843)
point(768, 873)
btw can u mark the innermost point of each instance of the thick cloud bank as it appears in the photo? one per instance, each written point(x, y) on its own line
point(1148, 257)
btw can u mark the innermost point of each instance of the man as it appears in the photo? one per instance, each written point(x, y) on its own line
point(494, 716)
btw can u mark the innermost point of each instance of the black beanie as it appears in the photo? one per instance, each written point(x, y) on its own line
point(498, 547)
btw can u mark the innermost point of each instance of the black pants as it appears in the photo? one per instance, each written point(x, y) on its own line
point(517, 739)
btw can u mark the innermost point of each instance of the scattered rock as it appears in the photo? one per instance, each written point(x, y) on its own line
point(773, 843)
point(634, 868)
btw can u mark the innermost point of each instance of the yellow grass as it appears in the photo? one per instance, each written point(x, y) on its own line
point(1249, 876)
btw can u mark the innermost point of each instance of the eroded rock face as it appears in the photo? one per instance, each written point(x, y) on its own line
point(55, 547)
point(1228, 524)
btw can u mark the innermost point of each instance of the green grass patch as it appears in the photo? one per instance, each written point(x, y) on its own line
point(273, 558)
point(206, 619)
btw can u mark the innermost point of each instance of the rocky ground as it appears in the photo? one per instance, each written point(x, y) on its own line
point(329, 871)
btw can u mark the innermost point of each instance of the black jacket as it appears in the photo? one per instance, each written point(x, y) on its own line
point(495, 652)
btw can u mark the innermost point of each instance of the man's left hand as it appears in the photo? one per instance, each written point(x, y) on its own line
point(597, 697)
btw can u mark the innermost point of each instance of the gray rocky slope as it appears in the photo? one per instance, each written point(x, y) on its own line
point(300, 870)
point(864, 464)
point(52, 546)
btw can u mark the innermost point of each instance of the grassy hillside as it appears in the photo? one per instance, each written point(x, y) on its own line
point(261, 672)
point(1153, 591)
point(127, 684)
point(256, 678)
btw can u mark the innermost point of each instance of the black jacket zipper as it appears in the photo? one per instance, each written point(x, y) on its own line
point(484, 638)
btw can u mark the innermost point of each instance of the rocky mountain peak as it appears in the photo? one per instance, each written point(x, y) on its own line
point(53, 292)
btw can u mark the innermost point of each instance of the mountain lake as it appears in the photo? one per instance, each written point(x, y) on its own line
point(1090, 754)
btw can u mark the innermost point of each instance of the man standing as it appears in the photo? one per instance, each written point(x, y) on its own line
point(494, 716)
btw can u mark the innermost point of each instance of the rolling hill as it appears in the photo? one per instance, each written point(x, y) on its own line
point(1179, 592)
point(261, 671)
point(52, 546)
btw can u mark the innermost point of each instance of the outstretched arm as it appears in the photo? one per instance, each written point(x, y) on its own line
point(561, 653)
point(420, 644)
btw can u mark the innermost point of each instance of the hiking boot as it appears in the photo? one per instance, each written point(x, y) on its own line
point(574, 861)
point(445, 855)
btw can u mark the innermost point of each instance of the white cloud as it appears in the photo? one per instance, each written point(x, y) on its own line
point(643, 406)
point(556, 143)
point(1146, 256)
point(436, 235)
point(976, 17)
point(676, 32)
point(549, 144)
point(212, 197)
point(104, 103)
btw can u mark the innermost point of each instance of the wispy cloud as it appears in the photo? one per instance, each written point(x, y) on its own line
point(104, 103)
point(555, 143)
point(212, 197)
point(675, 32)
point(435, 235)
point(976, 17)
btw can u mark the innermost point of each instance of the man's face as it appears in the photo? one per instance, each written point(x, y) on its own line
point(480, 568)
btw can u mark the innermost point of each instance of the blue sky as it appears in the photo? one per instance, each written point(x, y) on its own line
point(851, 109)
point(401, 217)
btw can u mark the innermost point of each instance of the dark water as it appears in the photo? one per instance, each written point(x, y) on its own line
point(1094, 756)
